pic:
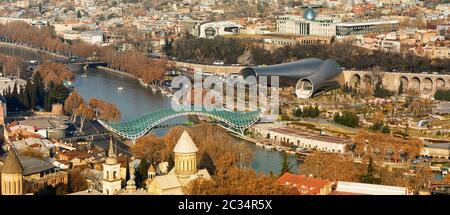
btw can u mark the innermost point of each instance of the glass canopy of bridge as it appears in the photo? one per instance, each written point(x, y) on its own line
point(237, 121)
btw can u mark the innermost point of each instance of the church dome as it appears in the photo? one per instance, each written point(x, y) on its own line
point(111, 160)
point(185, 144)
point(309, 14)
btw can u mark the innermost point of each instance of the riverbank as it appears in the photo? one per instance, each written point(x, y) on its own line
point(272, 145)
point(141, 82)
point(32, 49)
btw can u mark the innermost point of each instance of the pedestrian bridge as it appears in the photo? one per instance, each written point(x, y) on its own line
point(236, 121)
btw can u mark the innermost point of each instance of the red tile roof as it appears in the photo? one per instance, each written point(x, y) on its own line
point(305, 184)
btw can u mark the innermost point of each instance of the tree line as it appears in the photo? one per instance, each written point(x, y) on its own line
point(132, 62)
point(230, 50)
point(35, 95)
point(347, 118)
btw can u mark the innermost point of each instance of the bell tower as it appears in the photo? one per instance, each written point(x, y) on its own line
point(12, 175)
point(111, 172)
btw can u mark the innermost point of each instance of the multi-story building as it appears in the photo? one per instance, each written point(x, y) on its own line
point(329, 26)
point(297, 25)
point(92, 37)
point(366, 27)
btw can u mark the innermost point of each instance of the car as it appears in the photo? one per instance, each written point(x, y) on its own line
point(218, 62)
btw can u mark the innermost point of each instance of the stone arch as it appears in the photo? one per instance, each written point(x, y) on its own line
point(440, 83)
point(405, 81)
point(415, 84)
point(355, 81)
point(427, 85)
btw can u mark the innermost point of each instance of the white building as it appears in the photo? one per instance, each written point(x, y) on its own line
point(60, 29)
point(282, 133)
point(370, 189)
point(213, 29)
point(297, 25)
point(8, 83)
point(92, 37)
point(366, 27)
point(329, 26)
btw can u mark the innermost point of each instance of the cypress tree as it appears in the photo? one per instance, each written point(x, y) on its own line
point(285, 165)
point(400, 88)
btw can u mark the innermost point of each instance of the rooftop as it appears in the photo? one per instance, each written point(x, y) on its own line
point(30, 165)
point(185, 144)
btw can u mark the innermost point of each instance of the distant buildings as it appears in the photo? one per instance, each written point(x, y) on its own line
point(309, 24)
point(48, 127)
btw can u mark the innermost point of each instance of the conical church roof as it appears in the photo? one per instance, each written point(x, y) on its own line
point(185, 144)
point(12, 164)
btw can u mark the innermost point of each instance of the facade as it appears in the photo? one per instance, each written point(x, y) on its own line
point(309, 76)
point(92, 37)
point(281, 41)
point(212, 29)
point(366, 27)
point(297, 25)
point(281, 133)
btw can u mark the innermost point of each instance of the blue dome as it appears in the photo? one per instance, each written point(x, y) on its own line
point(309, 14)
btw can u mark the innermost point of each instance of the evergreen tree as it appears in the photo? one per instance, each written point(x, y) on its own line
point(39, 89)
point(141, 174)
point(79, 14)
point(286, 166)
point(171, 162)
point(400, 88)
point(127, 166)
point(370, 177)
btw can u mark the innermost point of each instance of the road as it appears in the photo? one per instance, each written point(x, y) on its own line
point(93, 131)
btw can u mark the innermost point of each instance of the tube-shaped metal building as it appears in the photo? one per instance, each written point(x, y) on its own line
point(309, 76)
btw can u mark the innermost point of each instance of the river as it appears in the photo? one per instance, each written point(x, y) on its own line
point(135, 101)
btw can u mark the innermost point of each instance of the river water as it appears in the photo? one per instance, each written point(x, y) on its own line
point(135, 101)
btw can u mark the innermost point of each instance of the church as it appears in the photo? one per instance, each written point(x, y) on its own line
point(26, 175)
point(185, 170)
point(172, 183)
